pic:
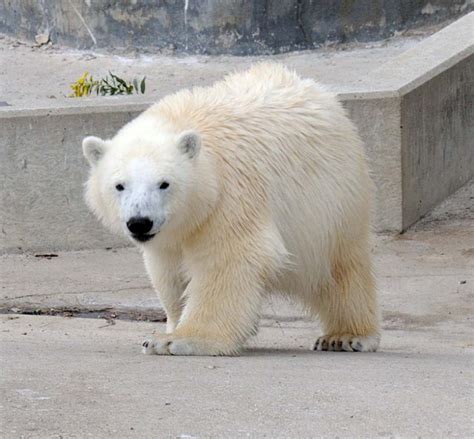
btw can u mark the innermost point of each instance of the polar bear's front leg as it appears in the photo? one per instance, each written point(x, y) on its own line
point(347, 306)
point(223, 301)
point(224, 296)
point(221, 312)
point(164, 274)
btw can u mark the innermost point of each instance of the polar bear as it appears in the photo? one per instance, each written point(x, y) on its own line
point(254, 186)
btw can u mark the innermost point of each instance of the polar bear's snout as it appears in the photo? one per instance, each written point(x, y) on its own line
point(140, 228)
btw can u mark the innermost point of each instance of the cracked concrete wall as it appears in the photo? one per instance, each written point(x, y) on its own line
point(235, 27)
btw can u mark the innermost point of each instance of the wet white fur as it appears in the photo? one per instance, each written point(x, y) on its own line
point(277, 199)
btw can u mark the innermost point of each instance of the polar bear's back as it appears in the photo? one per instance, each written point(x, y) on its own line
point(265, 79)
point(266, 93)
point(265, 111)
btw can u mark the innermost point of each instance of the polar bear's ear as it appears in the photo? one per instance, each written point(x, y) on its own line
point(93, 149)
point(189, 143)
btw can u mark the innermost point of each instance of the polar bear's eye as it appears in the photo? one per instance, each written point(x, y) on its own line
point(119, 187)
point(164, 185)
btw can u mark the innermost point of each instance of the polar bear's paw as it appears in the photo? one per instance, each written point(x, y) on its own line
point(347, 343)
point(148, 347)
point(169, 345)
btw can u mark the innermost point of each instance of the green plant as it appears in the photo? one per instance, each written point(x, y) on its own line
point(110, 85)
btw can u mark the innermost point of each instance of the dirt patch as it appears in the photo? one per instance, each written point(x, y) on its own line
point(468, 252)
point(109, 314)
point(395, 320)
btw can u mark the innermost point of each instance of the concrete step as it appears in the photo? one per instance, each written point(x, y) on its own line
point(341, 67)
point(412, 103)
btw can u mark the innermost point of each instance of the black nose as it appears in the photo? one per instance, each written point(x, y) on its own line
point(139, 225)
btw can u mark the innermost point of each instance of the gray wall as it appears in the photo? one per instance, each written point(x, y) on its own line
point(237, 27)
point(437, 125)
point(42, 172)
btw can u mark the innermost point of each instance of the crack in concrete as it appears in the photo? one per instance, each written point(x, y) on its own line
point(108, 313)
point(299, 20)
point(186, 7)
point(69, 293)
point(83, 22)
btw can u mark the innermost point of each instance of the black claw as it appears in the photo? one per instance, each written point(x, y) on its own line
point(333, 344)
point(357, 347)
point(145, 344)
point(339, 344)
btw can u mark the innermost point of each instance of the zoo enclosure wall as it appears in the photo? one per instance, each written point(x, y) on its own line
point(213, 27)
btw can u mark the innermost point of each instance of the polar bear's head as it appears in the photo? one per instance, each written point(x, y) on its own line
point(142, 181)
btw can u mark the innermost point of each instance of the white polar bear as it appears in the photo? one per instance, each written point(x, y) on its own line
point(256, 185)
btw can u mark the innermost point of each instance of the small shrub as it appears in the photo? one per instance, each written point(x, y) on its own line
point(109, 86)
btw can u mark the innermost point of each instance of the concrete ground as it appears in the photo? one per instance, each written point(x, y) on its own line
point(85, 377)
point(32, 75)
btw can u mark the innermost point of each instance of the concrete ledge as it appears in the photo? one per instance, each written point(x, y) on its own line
point(417, 123)
point(434, 81)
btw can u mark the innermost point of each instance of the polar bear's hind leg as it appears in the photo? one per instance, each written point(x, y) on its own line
point(347, 306)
